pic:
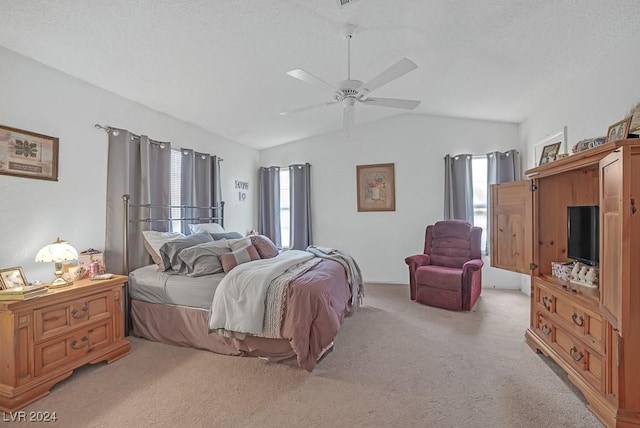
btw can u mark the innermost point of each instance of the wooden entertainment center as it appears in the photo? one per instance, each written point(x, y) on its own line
point(591, 333)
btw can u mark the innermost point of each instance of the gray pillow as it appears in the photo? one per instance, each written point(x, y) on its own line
point(170, 250)
point(225, 235)
point(237, 244)
point(202, 259)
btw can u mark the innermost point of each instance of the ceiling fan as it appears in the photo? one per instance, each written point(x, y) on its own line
point(350, 91)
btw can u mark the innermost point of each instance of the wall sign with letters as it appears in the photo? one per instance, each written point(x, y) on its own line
point(243, 188)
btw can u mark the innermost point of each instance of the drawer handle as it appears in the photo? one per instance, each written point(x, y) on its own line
point(546, 302)
point(574, 317)
point(546, 329)
point(85, 341)
point(577, 356)
point(572, 290)
point(83, 313)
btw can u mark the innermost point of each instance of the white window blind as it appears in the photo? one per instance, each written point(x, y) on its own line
point(480, 188)
point(285, 217)
point(176, 183)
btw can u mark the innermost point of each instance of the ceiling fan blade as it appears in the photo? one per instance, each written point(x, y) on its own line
point(391, 102)
point(398, 69)
point(311, 79)
point(301, 109)
point(348, 118)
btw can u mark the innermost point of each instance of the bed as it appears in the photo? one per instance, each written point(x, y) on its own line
point(306, 296)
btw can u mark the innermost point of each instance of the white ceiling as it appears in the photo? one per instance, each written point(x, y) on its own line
point(221, 64)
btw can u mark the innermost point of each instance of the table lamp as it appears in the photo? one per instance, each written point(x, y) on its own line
point(57, 252)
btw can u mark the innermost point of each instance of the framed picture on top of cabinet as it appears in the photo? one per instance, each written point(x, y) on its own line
point(27, 154)
point(549, 153)
point(619, 130)
point(634, 126)
point(558, 143)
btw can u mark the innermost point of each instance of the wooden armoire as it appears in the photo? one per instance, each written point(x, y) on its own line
point(592, 333)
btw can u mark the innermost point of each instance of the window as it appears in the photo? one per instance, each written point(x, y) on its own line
point(176, 184)
point(285, 216)
point(480, 188)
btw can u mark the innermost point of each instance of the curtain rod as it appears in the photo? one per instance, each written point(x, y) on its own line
point(108, 129)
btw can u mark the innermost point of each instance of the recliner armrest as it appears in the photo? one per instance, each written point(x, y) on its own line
point(414, 263)
point(418, 260)
point(472, 265)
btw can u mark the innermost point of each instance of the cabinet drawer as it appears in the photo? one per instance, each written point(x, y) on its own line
point(544, 300)
point(588, 363)
point(56, 352)
point(587, 326)
point(545, 328)
point(562, 309)
point(61, 318)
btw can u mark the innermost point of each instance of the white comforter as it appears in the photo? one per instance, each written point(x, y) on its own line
point(239, 302)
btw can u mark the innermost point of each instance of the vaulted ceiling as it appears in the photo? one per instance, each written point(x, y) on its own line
point(222, 64)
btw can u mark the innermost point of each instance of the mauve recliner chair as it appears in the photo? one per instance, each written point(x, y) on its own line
point(449, 273)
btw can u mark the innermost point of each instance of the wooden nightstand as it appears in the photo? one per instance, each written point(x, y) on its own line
point(43, 339)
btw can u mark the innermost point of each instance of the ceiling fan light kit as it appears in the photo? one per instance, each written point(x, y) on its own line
point(350, 91)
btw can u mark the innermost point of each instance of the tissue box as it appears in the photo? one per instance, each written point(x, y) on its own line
point(85, 258)
point(561, 270)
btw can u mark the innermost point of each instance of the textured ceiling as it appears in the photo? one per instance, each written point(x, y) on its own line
point(221, 64)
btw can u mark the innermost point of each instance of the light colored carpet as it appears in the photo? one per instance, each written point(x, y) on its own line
point(396, 363)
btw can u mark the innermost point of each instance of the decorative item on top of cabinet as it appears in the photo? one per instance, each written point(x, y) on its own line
point(551, 139)
point(619, 130)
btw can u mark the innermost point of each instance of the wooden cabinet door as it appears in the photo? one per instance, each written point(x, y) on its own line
point(511, 226)
point(614, 243)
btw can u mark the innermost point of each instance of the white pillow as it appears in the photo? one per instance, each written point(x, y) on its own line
point(206, 227)
point(153, 240)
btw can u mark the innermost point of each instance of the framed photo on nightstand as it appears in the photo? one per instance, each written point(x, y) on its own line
point(12, 278)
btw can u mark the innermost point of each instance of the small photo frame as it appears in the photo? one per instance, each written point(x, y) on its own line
point(27, 154)
point(12, 278)
point(376, 187)
point(619, 130)
point(559, 136)
point(549, 153)
point(634, 125)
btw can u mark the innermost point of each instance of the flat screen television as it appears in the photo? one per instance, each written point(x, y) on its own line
point(583, 234)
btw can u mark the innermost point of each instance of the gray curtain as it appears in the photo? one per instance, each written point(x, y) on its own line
point(458, 188)
point(198, 187)
point(269, 204)
point(139, 167)
point(501, 168)
point(300, 205)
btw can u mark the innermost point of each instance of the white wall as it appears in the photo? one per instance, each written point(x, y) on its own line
point(591, 102)
point(40, 99)
point(587, 105)
point(417, 144)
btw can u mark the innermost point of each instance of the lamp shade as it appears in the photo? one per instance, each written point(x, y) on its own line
point(58, 251)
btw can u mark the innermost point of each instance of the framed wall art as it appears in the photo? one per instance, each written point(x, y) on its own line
point(27, 154)
point(12, 278)
point(376, 187)
point(619, 130)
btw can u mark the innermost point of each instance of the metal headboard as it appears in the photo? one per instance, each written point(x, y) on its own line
point(216, 216)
